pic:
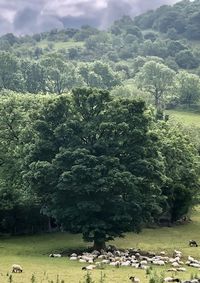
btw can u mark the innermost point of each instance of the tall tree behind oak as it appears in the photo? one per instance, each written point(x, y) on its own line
point(157, 79)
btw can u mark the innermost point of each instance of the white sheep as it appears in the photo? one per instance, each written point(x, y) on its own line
point(183, 269)
point(134, 279)
point(55, 255)
point(115, 263)
point(126, 263)
point(106, 261)
point(143, 262)
point(16, 268)
point(175, 264)
point(159, 262)
point(89, 267)
point(190, 258)
point(195, 265)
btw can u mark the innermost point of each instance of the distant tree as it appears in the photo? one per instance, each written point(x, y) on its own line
point(5, 45)
point(100, 43)
point(170, 19)
point(73, 53)
point(85, 32)
point(188, 88)
point(182, 170)
point(186, 60)
point(146, 20)
point(60, 76)
point(157, 79)
point(172, 34)
point(33, 76)
point(193, 31)
point(99, 74)
point(174, 47)
point(38, 52)
point(156, 48)
point(37, 37)
point(134, 30)
point(11, 38)
point(10, 73)
point(151, 35)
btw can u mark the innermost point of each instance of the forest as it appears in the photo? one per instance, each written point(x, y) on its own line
point(86, 143)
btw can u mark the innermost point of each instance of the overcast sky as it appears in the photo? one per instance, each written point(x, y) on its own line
point(31, 16)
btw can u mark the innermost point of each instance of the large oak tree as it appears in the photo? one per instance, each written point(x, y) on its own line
point(96, 165)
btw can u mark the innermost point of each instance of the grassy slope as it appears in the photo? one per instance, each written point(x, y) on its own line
point(187, 118)
point(32, 253)
point(60, 45)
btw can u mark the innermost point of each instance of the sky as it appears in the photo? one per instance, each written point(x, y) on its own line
point(32, 16)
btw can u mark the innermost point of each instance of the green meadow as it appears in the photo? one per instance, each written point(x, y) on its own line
point(189, 118)
point(31, 252)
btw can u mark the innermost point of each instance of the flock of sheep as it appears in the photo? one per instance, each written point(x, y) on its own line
point(137, 259)
point(133, 258)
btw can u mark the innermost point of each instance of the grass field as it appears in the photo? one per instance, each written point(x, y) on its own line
point(32, 253)
point(185, 117)
point(61, 45)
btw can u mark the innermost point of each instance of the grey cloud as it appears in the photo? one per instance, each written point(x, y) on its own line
point(5, 26)
point(32, 21)
point(31, 16)
point(116, 9)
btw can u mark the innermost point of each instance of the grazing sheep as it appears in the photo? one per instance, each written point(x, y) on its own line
point(195, 265)
point(171, 279)
point(55, 255)
point(106, 261)
point(89, 267)
point(177, 253)
point(193, 243)
point(190, 258)
point(16, 268)
point(134, 279)
point(163, 253)
point(182, 269)
point(175, 264)
point(143, 262)
point(159, 262)
point(116, 264)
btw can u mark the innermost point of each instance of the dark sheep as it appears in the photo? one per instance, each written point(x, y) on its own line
point(193, 243)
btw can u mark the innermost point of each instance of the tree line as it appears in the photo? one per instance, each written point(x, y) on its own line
point(52, 74)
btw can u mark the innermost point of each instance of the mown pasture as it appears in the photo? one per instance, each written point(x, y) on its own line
point(32, 253)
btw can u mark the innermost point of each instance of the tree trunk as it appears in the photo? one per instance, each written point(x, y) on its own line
point(156, 101)
point(49, 225)
point(99, 244)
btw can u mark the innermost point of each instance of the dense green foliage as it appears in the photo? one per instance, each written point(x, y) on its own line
point(97, 165)
point(80, 144)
